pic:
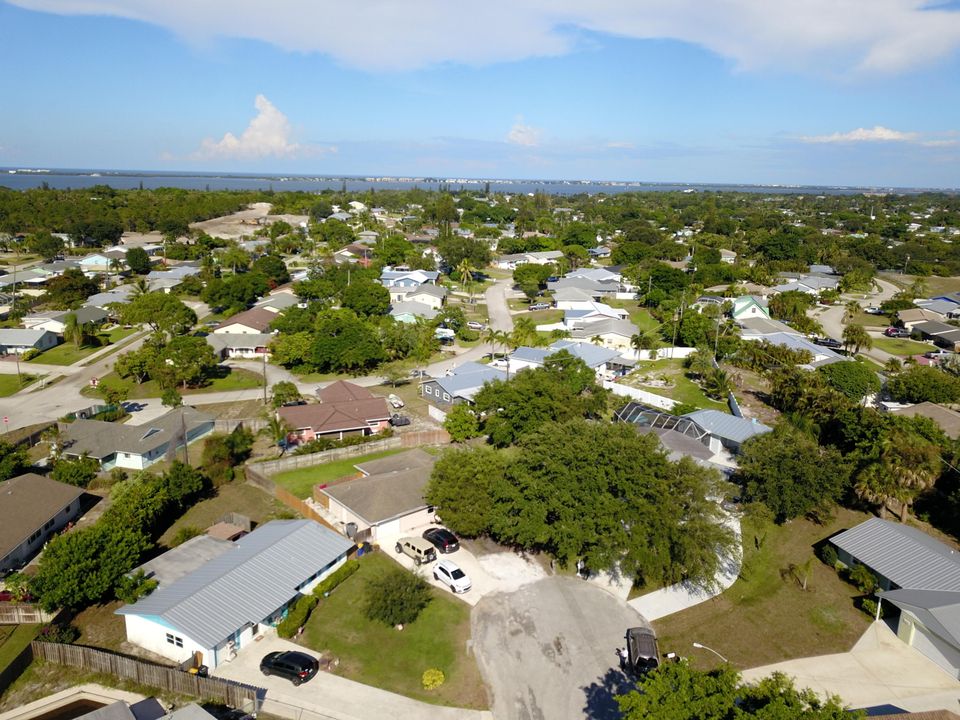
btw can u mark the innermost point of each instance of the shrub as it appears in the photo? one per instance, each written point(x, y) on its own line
point(297, 616)
point(336, 577)
point(30, 355)
point(77, 472)
point(870, 607)
point(184, 534)
point(396, 598)
point(828, 554)
point(322, 444)
point(432, 679)
point(131, 588)
point(56, 633)
point(865, 581)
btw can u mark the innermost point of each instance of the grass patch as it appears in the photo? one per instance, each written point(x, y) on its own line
point(301, 481)
point(238, 497)
point(68, 353)
point(765, 617)
point(935, 285)
point(100, 627)
point(10, 384)
point(14, 643)
point(902, 346)
point(377, 655)
point(682, 388)
point(545, 317)
point(639, 315)
point(227, 379)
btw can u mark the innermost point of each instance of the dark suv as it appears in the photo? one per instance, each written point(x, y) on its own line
point(297, 667)
point(442, 539)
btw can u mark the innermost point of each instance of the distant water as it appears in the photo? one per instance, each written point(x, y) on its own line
point(23, 179)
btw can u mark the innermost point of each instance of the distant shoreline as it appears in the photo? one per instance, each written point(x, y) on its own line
point(19, 178)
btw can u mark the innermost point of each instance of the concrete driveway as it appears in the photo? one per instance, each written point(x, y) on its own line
point(491, 573)
point(879, 670)
point(327, 695)
point(548, 650)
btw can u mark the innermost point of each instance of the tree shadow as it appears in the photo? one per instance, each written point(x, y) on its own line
point(601, 703)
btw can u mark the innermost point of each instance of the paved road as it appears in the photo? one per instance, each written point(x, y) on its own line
point(548, 650)
point(831, 318)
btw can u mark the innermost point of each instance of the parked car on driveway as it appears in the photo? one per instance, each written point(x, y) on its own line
point(297, 667)
point(442, 539)
point(398, 420)
point(873, 310)
point(474, 325)
point(828, 343)
point(540, 306)
point(896, 332)
point(450, 574)
point(417, 548)
point(394, 400)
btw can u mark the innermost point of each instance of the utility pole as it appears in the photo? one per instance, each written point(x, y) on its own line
point(264, 356)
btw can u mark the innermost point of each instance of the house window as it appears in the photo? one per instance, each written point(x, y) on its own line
point(174, 640)
point(34, 536)
point(428, 390)
point(49, 524)
point(446, 397)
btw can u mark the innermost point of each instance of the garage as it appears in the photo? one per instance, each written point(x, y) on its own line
point(930, 622)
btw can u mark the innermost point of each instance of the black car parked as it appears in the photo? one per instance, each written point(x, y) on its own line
point(442, 539)
point(829, 343)
point(297, 667)
point(398, 420)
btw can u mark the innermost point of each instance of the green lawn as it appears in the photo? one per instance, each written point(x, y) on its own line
point(639, 315)
point(68, 353)
point(766, 617)
point(300, 482)
point(238, 497)
point(228, 379)
point(902, 346)
point(683, 389)
point(378, 655)
point(9, 384)
point(15, 642)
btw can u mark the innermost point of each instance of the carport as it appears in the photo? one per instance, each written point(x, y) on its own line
point(930, 622)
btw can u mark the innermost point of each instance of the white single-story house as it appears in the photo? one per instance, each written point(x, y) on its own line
point(577, 315)
point(917, 574)
point(726, 432)
point(387, 501)
point(250, 322)
point(56, 321)
point(409, 312)
point(15, 341)
point(135, 447)
point(616, 334)
point(432, 295)
point(606, 363)
point(249, 346)
point(510, 262)
point(32, 510)
point(234, 598)
point(728, 257)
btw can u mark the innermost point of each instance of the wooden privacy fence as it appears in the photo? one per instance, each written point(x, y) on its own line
point(23, 614)
point(227, 692)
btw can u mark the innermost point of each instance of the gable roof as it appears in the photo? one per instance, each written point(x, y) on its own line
point(728, 427)
point(467, 380)
point(426, 289)
point(947, 419)
point(257, 318)
point(259, 575)
point(396, 488)
point(416, 309)
point(336, 417)
point(938, 610)
point(341, 391)
point(19, 337)
point(906, 556)
point(230, 341)
point(573, 294)
point(26, 503)
point(100, 439)
point(607, 326)
point(919, 315)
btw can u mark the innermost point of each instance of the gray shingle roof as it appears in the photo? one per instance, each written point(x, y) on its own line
point(26, 503)
point(258, 577)
point(467, 379)
point(906, 556)
point(101, 439)
point(727, 427)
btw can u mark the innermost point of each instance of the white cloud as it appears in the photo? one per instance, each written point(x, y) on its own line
point(805, 35)
point(878, 133)
point(621, 145)
point(268, 135)
point(522, 134)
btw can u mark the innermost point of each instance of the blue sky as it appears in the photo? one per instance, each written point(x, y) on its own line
point(845, 92)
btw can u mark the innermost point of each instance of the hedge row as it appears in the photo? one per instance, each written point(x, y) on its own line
point(297, 616)
point(337, 577)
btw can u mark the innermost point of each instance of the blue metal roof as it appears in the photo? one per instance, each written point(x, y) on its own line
point(257, 577)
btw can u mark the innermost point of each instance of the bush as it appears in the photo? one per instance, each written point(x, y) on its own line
point(322, 444)
point(432, 679)
point(865, 581)
point(828, 554)
point(77, 472)
point(870, 607)
point(336, 577)
point(56, 633)
point(184, 534)
point(297, 616)
point(131, 588)
point(30, 355)
point(396, 598)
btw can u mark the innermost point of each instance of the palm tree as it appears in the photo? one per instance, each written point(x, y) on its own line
point(140, 287)
point(908, 464)
point(54, 437)
point(718, 384)
point(893, 366)
point(465, 273)
point(850, 310)
point(116, 265)
point(645, 341)
point(277, 428)
point(857, 337)
point(524, 332)
point(72, 329)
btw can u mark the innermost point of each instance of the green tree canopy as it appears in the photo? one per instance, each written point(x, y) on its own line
point(853, 379)
point(272, 268)
point(366, 298)
point(162, 312)
point(138, 261)
point(13, 460)
point(79, 471)
point(924, 384)
point(68, 291)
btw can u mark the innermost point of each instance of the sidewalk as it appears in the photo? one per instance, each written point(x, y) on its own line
point(675, 598)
